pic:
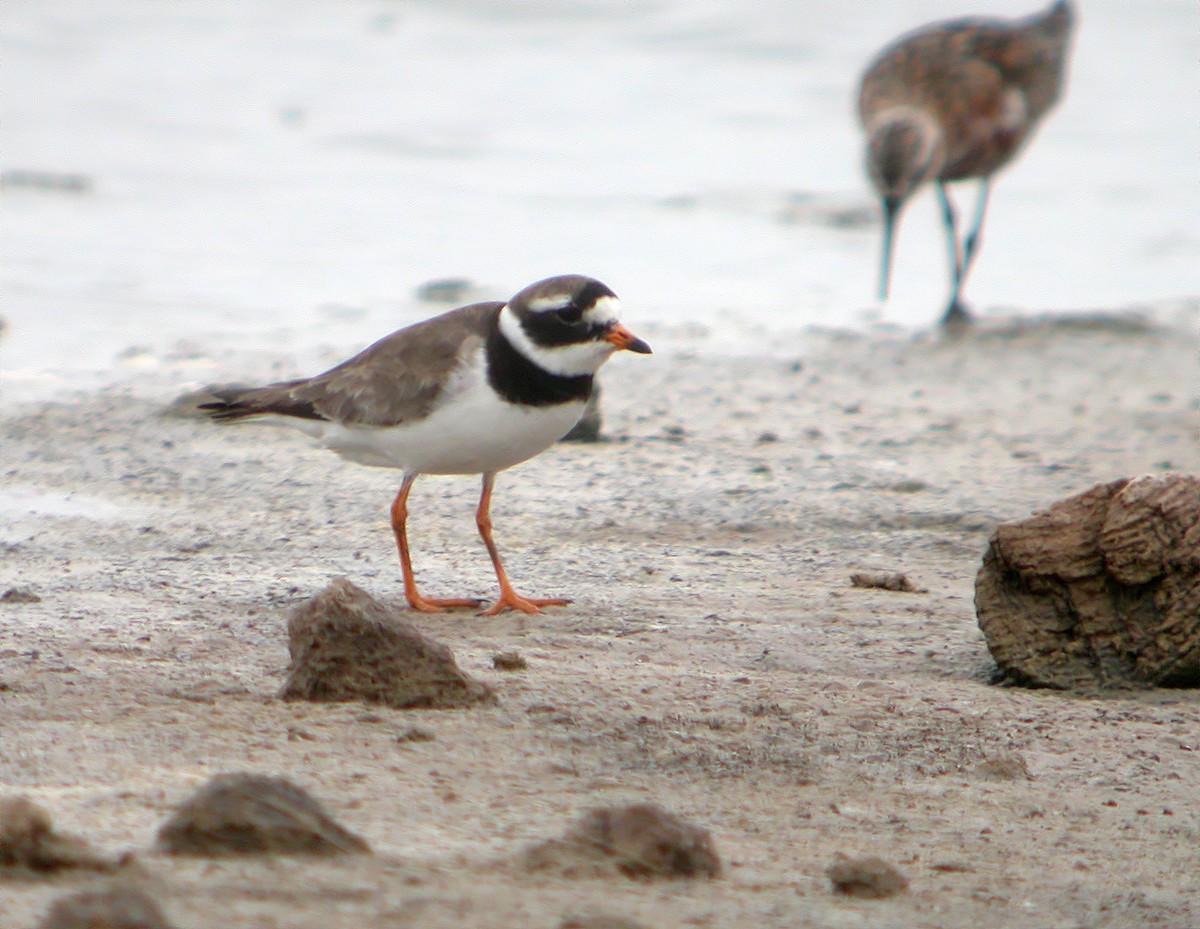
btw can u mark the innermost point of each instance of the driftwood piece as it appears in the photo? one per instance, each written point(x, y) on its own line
point(1101, 589)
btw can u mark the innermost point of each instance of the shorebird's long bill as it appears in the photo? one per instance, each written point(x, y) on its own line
point(626, 341)
point(891, 207)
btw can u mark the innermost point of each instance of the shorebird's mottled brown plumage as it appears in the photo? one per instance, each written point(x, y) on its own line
point(958, 100)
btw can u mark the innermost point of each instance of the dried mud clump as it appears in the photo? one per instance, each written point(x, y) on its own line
point(509, 661)
point(886, 580)
point(870, 877)
point(585, 921)
point(117, 907)
point(18, 595)
point(346, 645)
point(1005, 767)
point(1101, 589)
point(29, 844)
point(250, 814)
point(638, 841)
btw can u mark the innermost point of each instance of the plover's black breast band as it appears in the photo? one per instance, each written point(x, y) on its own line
point(519, 380)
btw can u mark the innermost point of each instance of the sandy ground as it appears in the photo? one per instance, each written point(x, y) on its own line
point(716, 659)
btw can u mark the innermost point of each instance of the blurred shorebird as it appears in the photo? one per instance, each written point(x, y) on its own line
point(958, 100)
point(473, 391)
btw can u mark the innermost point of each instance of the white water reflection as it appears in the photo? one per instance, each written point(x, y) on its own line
point(280, 174)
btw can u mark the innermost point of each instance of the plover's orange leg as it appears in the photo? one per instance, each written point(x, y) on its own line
point(509, 598)
point(400, 528)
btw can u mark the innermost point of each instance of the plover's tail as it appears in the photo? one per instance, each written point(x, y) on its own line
point(234, 402)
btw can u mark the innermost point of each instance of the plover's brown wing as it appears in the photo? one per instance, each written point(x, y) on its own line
point(400, 378)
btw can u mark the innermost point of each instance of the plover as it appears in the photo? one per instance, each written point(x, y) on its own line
point(473, 391)
point(957, 100)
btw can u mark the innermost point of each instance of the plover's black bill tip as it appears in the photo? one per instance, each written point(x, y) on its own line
point(626, 341)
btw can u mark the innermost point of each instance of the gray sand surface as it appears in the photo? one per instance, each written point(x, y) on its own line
point(716, 659)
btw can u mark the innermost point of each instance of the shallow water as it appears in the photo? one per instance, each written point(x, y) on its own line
point(17, 503)
point(279, 174)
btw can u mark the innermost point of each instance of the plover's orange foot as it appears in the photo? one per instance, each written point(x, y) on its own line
point(517, 602)
point(436, 605)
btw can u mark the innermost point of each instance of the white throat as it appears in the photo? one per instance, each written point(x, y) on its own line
point(564, 360)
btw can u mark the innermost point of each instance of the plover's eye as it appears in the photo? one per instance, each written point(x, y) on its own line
point(571, 315)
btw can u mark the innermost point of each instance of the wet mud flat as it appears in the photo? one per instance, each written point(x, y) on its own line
point(718, 662)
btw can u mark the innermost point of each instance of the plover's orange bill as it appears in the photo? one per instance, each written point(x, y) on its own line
point(957, 100)
point(473, 391)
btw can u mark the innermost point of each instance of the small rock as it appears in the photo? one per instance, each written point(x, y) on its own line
point(598, 921)
point(1003, 768)
point(415, 734)
point(445, 290)
point(886, 580)
point(509, 661)
point(45, 181)
point(952, 866)
point(17, 595)
point(588, 427)
point(850, 217)
point(869, 877)
point(116, 907)
point(29, 843)
point(246, 814)
point(638, 841)
point(346, 645)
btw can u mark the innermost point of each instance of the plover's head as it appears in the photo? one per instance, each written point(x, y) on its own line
point(567, 325)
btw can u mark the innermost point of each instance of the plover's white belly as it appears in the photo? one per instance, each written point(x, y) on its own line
point(458, 439)
point(475, 431)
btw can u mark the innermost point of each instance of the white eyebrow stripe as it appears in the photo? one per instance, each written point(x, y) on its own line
point(604, 310)
point(543, 304)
